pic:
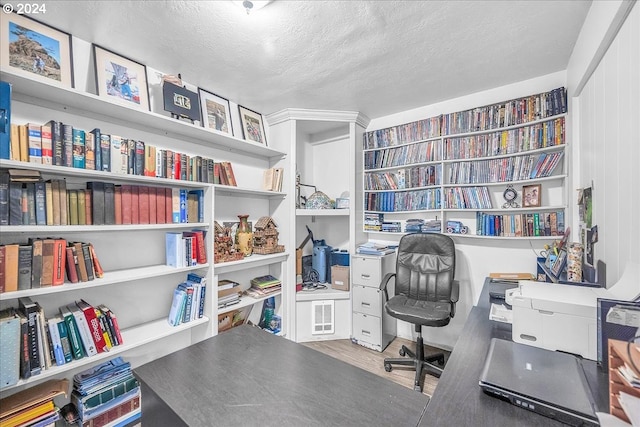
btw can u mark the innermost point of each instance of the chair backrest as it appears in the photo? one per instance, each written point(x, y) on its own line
point(425, 266)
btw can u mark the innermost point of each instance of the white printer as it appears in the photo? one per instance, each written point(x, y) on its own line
point(564, 317)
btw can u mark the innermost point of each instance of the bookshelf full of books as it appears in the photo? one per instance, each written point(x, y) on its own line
point(454, 171)
point(119, 228)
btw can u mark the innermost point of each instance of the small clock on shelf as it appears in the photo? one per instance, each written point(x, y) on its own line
point(510, 195)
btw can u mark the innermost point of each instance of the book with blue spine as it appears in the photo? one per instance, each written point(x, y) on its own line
point(5, 115)
point(35, 143)
point(177, 304)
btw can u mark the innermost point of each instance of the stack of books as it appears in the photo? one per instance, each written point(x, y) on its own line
point(33, 406)
point(432, 226)
point(264, 285)
point(373, 221)
point(228, 293)
point(413, 225)
point(372, 248)
point(391, 227)
point(106, 394)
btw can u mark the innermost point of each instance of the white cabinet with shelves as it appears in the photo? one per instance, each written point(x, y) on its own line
point(137, 285)
point(456, 167)
point(325, 150)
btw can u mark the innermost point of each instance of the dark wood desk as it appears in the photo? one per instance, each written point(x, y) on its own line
point(458, 399)
point(248, 377)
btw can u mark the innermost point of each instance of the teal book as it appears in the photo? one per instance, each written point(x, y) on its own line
point(73, 333)
point(64, 340)
point(78, 148)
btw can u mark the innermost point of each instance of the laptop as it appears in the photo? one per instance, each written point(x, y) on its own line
point(547, 382)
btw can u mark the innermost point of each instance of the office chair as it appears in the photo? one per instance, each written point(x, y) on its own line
point(425, 294)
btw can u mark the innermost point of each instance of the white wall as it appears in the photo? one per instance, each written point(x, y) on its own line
point(606, 155)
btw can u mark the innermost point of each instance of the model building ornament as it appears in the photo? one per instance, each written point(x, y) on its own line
point(265, 237)
point(224, 246)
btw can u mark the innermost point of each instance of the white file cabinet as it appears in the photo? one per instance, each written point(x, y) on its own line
point(372, 326)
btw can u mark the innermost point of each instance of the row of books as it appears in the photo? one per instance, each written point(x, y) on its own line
point(34, 406)
point(60, 144)
point(521, 225)
point(272, 179)
point(414, 131)
point(107, 394)
point(412, 177)
point(188, 300)
point(512, 141)
point(34, 344)
point(428, 151)
point(467, 198)
point(505, 169)
point(509, 113)
point(391, 227)
point(373, 221)
point(185, 249)
point(403, 201)
point(52, 203)
point(47, 262)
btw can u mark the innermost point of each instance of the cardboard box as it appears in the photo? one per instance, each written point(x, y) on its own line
point(340, 277)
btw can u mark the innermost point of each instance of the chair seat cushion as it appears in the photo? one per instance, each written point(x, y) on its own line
point(427, 313)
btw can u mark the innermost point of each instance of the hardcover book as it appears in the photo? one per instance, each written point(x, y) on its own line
point(47, 144)
point(30, 310)
point(24, 267)
point(64, 213)
point(89, 151)
point(36, 263)
point(40, 203)
point(35, 143)
point(48, 248)
point(143, 204)
point(78, 148)
point(96, 189)
point(94, 325)
point(109, 203)
point(59, 258)
point(4, 198)
point(67, 145)
point(56, 142)
point(117, 203)
point(77, 348)
point(97, 149)
point(88, 260)
point(135, 204)
point(84, 330)
point(72, 265)
point(105, 152)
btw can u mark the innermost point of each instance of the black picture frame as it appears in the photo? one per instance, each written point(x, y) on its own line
point(215, 111)
point(120, 79)
point(57, 65)
point(252, 125)
point(181, 102)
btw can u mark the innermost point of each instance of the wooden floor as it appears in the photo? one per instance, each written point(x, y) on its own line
point(372, 360)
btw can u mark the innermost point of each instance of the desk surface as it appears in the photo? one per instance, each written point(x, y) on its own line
point(246, 376)
point(458, 399)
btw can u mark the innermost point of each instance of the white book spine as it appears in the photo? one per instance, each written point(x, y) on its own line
point(56, 341)
point(85, 332)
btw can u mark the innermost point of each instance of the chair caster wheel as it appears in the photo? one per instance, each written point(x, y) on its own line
point(417, 388)
point(401, 351)
point(387, 367)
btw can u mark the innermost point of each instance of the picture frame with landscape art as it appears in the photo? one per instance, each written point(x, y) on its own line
point(36, 50)
point(252, 125)
point(120, 79)
point(216, 112)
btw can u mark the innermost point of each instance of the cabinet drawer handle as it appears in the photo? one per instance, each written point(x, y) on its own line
point(366, 304)
point(365, 332)
point(365, 276)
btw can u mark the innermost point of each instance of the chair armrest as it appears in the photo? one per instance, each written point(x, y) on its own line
point(384, 282)
point(455, 294)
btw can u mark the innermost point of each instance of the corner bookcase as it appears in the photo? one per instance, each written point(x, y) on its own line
point(453, 171)
point(137, 285)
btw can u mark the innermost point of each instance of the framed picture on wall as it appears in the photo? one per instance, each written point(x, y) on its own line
point(121, 79)
point(531, 195)
point(36, 50)
point(216, 112)
point(252, 125)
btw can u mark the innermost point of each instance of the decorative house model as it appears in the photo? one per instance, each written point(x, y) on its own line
point(265, 237)
point(224, 247)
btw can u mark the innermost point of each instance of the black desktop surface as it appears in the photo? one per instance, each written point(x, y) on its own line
point(247, 377)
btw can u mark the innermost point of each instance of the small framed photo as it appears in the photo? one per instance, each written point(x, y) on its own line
point(252, 125)
point(121, 79)
point(216, 112)
point(559, 264)
point(531, 195)
point(36, 50)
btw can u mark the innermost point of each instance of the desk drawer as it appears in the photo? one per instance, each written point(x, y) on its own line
point(367, 300)
point(366, 271)
point(367, 328)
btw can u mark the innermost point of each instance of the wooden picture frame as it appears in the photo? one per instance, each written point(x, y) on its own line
point(50, 59)
point(216, 112)
point(120, 79)
point(252, 125)
point(531, 195)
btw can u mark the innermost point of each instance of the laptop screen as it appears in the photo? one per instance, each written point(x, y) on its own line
point(549, 377)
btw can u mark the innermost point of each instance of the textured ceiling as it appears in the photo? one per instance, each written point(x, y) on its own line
point(375, 57)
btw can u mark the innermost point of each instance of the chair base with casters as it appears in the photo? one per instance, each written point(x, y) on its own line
point(417, 360)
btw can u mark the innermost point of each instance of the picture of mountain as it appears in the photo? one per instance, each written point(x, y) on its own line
point(34, 52)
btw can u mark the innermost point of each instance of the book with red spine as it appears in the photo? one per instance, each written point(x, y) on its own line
point(94, 325)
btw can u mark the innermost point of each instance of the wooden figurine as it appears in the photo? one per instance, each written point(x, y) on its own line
point(265, 237)
point(224, 247)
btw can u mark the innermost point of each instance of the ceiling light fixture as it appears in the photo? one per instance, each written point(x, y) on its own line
point(250, 6)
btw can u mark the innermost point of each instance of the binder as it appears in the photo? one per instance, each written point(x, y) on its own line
point(9, 348)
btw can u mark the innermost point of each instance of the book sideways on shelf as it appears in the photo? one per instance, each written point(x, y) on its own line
point(33, 404)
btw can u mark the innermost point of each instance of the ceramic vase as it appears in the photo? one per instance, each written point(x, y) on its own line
point(244, 236)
